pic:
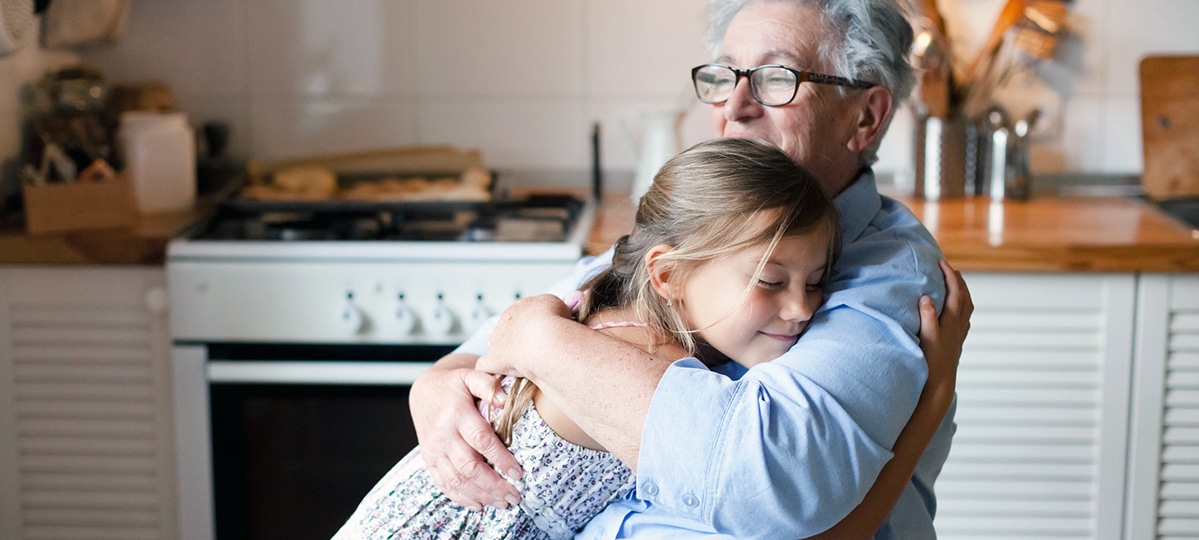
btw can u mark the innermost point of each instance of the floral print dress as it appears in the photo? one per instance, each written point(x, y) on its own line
point(564, 486)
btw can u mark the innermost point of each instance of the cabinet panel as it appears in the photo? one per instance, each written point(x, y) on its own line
point(86, 418)
point(1042, 408)
point(1164, 454)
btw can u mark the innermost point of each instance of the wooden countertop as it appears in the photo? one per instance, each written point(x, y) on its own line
point(1048, 234)
point(143, 243)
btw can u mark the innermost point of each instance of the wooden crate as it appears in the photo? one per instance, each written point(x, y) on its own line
point(56, 208)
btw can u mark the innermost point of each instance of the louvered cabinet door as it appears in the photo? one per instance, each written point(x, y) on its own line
point(1164, 449)
point(85, 434)
point(1042, 410)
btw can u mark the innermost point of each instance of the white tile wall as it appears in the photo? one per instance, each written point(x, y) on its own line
point(524, 79)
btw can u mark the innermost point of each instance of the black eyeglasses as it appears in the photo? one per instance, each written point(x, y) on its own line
point(771, 85)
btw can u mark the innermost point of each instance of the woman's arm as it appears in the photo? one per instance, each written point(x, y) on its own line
point(602, 383)
point(941, 342)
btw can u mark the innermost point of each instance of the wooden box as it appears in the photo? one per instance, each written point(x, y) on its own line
point(82, 205)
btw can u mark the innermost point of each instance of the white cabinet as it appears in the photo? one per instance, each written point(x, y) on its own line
point(1163, 482)
point(1043, 397)
point(85, 433)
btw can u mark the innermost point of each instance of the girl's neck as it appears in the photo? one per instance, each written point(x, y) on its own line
point(640, 333)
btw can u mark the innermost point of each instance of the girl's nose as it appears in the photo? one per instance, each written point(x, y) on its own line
point(799, 308)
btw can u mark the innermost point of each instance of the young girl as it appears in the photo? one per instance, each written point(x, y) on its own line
point(726, 261)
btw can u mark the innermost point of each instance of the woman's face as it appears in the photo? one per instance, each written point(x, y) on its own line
point(814, 128)
point(763, 325)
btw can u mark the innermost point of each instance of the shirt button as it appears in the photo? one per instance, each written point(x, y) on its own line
point(690, 500)
point(651, 488)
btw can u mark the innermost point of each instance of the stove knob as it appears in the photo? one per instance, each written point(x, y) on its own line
point(350, 319)
point(405, 320)
point(441, 321)
point(478, 314)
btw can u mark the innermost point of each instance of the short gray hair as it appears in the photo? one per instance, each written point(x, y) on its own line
point(875, 39)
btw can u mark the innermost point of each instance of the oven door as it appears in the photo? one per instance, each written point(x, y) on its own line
point(296, 434)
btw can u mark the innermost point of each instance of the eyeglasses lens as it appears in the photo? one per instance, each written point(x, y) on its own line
point(714, 84)
point(771, 86)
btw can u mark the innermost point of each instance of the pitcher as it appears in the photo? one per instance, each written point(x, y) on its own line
point(659, 142)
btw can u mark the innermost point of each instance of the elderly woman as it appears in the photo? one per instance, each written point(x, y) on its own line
point(788, 448)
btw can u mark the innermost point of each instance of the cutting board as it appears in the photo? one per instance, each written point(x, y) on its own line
point(1170, 126)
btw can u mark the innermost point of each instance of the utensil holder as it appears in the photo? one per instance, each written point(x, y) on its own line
point(940, 158)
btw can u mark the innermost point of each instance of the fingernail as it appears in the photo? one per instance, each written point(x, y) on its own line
point(512, 499)
point(514, 473)
point(926, 300)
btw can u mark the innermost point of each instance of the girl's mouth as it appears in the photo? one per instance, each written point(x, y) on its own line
point(781, 337)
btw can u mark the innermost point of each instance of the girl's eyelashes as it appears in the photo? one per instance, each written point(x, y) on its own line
point(770, 284)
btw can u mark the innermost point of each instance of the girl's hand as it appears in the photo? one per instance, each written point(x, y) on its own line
point(941, 341)
point(941, 338)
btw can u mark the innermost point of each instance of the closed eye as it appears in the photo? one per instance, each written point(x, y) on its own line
point(770, 284)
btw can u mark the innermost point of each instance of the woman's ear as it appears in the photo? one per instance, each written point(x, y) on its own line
point(874, 109)
point(659, 270)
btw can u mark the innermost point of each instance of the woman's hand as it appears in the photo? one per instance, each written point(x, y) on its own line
point(456, 442)
point(458, 445)
point(520, 335)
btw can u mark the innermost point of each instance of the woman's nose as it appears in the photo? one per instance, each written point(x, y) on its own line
point(741, 104)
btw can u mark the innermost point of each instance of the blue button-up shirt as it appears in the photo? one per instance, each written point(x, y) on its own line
point(788, 448)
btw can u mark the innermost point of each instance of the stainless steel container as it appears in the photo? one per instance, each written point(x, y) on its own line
point(940, 158)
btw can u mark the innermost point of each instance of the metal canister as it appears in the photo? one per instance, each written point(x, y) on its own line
point(940, 158)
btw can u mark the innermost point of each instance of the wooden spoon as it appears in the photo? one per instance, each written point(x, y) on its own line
point(1012, 11)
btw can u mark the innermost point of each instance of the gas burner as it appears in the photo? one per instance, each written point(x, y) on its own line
point(544, 218)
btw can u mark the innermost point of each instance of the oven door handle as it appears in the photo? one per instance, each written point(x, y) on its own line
point(310, 372)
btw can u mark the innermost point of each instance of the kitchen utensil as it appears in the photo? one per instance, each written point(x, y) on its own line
point(1019, 177)
point(998, 126)
point(1170, 125)
point(932, 56)
point(73, 23)
point(1037, 33)
point(930, 53)
point(940, 158)
point(1011, 13)
point(16, 20)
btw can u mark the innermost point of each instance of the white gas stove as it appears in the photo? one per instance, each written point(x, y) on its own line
point(378, 273)
point(298, 329)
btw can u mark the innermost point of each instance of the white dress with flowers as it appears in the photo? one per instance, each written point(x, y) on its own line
point(563, 487)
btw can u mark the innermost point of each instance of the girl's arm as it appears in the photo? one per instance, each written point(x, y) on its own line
point(941, 342)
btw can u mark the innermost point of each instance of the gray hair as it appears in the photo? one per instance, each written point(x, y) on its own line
point(875, 38)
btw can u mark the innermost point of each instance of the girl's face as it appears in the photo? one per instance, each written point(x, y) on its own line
point(763, 325)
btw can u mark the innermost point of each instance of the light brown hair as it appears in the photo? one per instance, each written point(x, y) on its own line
point(701, 204)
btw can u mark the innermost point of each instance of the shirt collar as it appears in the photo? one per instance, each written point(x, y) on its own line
point(858, 204)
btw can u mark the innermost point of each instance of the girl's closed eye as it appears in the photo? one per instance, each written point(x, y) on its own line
point(772, 285)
